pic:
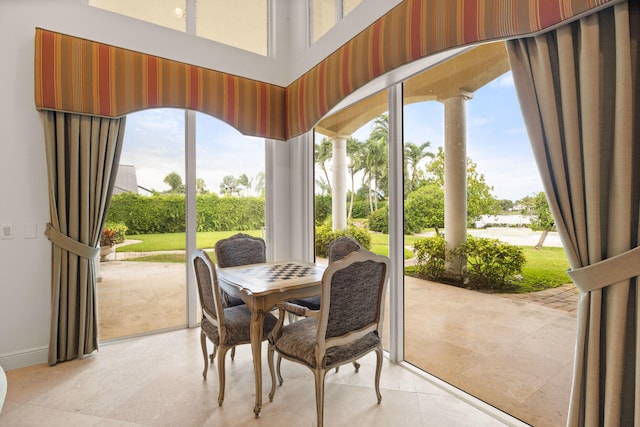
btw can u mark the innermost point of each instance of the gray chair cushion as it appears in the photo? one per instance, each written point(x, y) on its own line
point(298, 341)
point(237, 322)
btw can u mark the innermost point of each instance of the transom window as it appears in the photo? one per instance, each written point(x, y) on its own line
point(239, 24)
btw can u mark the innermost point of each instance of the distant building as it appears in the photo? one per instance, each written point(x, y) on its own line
point(126, 181)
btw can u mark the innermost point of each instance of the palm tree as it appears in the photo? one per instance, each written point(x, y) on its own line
point(245, 181)
point(259, 187)
point(375, 159)
point(201, 187)
point(229, 185)
point(323, 153)
point(354, 152)
point(413, 154)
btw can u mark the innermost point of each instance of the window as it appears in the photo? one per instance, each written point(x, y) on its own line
point(239, 24)
point(325, 14)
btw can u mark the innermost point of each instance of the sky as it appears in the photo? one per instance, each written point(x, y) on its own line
point(496, 141)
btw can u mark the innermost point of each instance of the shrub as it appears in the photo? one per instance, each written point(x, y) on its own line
point(116, 232)
point(165, 213)
point(430, 257)
point(360, 209)
point(379, 220)
point(491, 263)
point(323, 208)
point(325, 235)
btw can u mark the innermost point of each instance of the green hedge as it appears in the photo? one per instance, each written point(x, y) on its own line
point(165, 213)
point(324, 236)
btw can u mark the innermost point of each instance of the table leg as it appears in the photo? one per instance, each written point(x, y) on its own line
point(257, 320)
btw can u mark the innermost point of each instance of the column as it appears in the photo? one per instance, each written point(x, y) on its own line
point(455, 181)
point(339, 187)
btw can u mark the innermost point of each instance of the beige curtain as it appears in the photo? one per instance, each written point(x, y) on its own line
point(578, 90)
point(83, 153)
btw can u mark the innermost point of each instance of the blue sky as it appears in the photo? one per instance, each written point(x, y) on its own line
point(496, 141)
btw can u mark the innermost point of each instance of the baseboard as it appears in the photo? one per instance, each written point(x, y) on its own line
point(34, 356)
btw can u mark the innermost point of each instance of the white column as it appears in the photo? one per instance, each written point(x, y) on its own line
point(339, 188)
point(455, 180)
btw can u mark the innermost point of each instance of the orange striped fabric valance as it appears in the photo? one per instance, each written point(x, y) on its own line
point(415, 29)
point(86, 77)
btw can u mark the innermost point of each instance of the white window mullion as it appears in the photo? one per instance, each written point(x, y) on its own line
point(190, 208)
point(396, 229)
point(190, 17)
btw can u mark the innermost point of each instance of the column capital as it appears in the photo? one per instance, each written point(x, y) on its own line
point(465, 94)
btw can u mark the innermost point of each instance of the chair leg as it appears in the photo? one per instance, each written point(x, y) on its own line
point(270, 352)
point(203, 344)
point(233, 353)
point(221, 356)
point(280, 379)
point(378, 371)
point(319, 375)
point(213, 354)
point(355, 365)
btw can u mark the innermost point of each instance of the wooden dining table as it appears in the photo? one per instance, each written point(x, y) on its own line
point(261, 287)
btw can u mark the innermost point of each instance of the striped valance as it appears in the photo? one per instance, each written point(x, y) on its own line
point(415, 29)
point(86, 77)
point(77, 75)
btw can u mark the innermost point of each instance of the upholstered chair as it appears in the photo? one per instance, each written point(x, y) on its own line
point(225, 327)
point(239, 249)
point(347, 326)
point(338, 249)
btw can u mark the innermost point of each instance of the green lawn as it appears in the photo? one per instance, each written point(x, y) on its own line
point(177, 241)
point(545, 268)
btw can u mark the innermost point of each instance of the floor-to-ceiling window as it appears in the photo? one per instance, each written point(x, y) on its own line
point(142, 284)
point(513, 352)
point(230, 182)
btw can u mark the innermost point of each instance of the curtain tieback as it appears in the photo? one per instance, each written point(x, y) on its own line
point(68, 244)
point(606, 272)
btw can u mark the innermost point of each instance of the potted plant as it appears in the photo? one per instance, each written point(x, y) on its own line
point(107, 241)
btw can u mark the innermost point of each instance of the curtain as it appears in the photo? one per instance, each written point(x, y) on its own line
point(577, 87)
point(83, 154)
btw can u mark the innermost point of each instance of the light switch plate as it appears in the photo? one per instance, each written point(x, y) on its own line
point(6, 231)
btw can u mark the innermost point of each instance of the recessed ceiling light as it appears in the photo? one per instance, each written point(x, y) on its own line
point(179, 12)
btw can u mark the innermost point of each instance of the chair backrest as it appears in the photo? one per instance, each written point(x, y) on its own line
point(240, 249)
point(341, 247)
point(353, 295)
point(208, 289)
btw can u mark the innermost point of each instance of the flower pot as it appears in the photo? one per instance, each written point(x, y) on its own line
point(104, 252)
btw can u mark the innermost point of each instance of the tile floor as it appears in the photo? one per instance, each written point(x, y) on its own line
point(156, 381)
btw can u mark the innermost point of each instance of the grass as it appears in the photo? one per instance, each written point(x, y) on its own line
point(177, 241)
point(545, 268)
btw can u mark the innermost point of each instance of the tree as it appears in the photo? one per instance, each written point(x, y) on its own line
point(323, 153)
point(354, 149)
point(413, 154)
point(542, 218)
point(174, 181)
point(229, 186)
point(424, 208)
point(201, 187)
point(506, 205)
point(260, 187)
point(374, 160)
point(245, 181)
point(479, 198)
